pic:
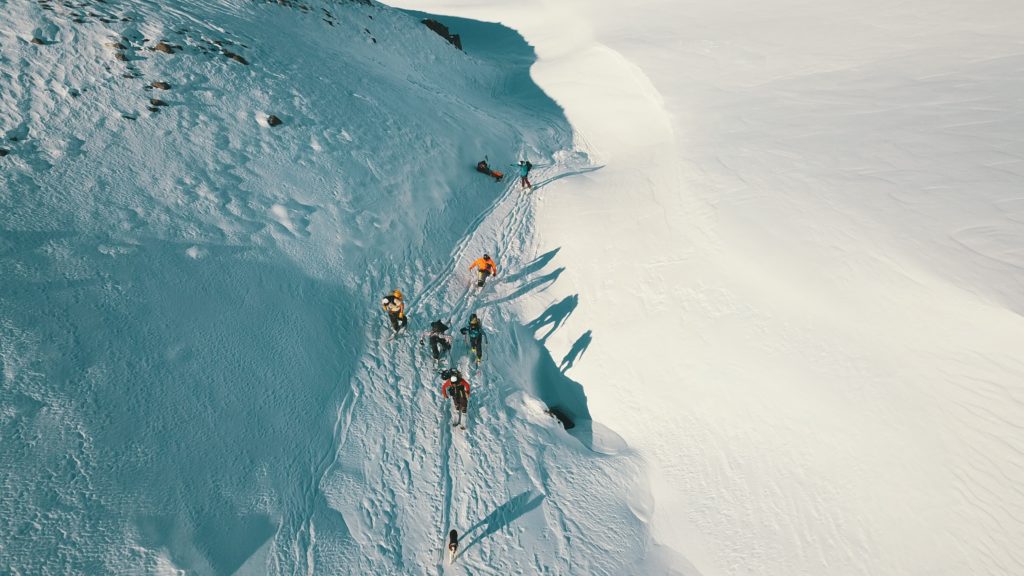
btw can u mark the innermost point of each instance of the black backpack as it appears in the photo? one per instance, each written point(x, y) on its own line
point(528, 166)
point(458, 390)
point(438, 327)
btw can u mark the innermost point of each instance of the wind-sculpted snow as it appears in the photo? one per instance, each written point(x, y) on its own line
point(196, 374)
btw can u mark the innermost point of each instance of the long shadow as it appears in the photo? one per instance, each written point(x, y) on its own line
point(565, 398)
point(577, 350)
point(554, 316)
point(547, 181)
point(530, 286)
point(504, 515)
point(538, 264)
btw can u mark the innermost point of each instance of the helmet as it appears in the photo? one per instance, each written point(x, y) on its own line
point(454, 378)
point(397, 293)
point(486, 257)
point(473, 319)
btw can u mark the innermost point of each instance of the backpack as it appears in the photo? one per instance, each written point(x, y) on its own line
point(458, 390)
point(438, 327)
point(529, 166)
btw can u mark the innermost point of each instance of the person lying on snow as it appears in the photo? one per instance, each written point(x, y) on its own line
point(483, 168)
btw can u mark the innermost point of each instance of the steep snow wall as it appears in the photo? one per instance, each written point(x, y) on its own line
point(193, 374)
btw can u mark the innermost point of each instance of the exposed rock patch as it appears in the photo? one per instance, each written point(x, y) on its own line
point(235, 57)
point(165, 47)
point(442, 31)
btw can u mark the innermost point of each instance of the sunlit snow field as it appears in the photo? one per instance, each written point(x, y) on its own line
point(799, 272)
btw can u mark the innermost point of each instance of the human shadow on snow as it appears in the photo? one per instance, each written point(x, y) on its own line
point(536, 265)
point(504, 515)
point(577, 350)
point(554, 316)
point(547, 181)
point(536, 283)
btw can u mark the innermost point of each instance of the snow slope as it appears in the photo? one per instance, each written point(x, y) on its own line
point(196, 375)
point(805, 248)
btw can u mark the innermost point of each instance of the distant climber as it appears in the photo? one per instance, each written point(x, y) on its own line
point(475, 337)
point(484, 267)
point(484, 168)
point(524, 172)
point(393, 305)
point(458, 389)
point(453, 545)
point(440, 343)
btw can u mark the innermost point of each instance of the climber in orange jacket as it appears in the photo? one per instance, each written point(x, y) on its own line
point(484, 267)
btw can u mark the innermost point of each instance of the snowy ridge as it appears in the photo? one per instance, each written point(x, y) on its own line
point(809, 257)
point(196, 375)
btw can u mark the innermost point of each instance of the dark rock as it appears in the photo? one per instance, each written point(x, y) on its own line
point(564, 419)
point(160, 85)
point(120, 57)
point(152, 109)
point(38, 41)
point(273, 120)
point(236, 57)
point(157, 102)
point(442, 31)
point(164, 47)
point(4, 152)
